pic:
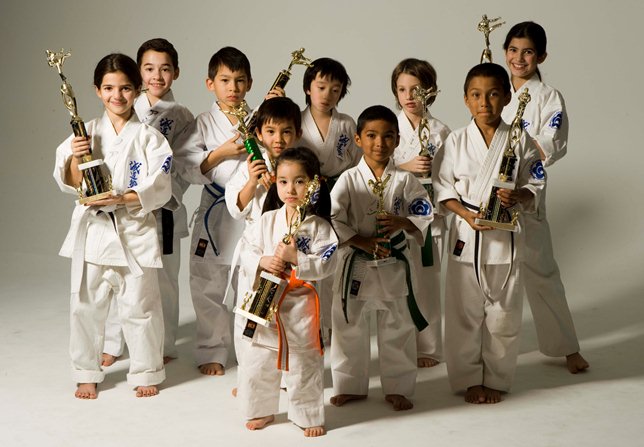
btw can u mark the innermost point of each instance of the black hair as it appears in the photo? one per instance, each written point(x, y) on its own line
point(159, 45)
point(231, 58)
point(329, 68)
point(532, 31)
point(489, 70)
point(279, 109)
point(118, 62)
point(376, 113)
point(418, 68)
point(309, 161)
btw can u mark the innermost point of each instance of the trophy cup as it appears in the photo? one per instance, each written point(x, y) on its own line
point(96, 184)
point(495, 215)
point(378, 187)
point(260, 305)
point(486, 26)
point(297, 58)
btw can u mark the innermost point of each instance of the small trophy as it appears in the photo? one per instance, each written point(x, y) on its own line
point(495, 215)
point(486, 26)
point(240, 112)
point(260, 305)
point(427, 149)
point(378, 187)
point(96, 184)
point(297, 58)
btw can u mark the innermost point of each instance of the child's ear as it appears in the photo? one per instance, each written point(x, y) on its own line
point(507, 99)
point(258, 133)
point(176, 74)
point(298, 134)
point(356, 138)
point(210, 84)
point(542, 58)
point(250, 84)
point(98, 91)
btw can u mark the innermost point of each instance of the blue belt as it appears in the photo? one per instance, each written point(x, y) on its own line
point(217, 193)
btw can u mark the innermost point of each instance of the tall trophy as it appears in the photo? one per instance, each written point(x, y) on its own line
point(495, 215)
point(297, 58)
point(423, 97)
point(378, 188)
point(97, 183)
point(486, 26)
point(261, 304)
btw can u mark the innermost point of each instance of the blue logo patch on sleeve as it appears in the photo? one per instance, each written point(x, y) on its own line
point(420, 207)
point(303, 244)
point(536, 170)
point(167, 164)
point(328, 252)
point(556, 120)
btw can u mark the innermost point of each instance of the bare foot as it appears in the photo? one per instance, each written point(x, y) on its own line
point(108, 359)
point(86, 391)
point(492, 396)
point(259, 423)
point(234, 392)
point(146, 391)
point(475, 394)
point(341, 399)
point(426, 362)
point(312, 432)
point(399, 402)
point(576, 363)
point(167, 359)
point(212, 369)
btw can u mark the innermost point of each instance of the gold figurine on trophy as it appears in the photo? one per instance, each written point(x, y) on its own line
point(260, 305)
point(486, 26)
point(96, 184)
point(378, 188)
point(423, 97)
point(495, 215)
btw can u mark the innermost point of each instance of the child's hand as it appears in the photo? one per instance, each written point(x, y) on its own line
point(266, 180)
point(287, 252)
point(470, 216)
point(232, 149)
point(277, 91)
point(508, 197)
point(119, 199)
point(418, 165)
point(371, 245)
point(272, 264)
point(256, 169)
point(81, 147)
point(390, 224)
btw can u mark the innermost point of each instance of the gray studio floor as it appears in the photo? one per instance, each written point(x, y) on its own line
point(547, 407)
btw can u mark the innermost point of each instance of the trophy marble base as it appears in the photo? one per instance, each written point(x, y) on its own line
point(381, 262)
point(506, 226)
point(424, 180)
point(256, 318)
point(95, 197)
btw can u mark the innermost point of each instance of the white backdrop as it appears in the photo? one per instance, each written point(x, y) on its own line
point(595, 60)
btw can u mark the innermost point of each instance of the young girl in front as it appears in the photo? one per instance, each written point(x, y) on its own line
point(409, 74)
point(113, 242)
point(546, 121)
point(307, 258)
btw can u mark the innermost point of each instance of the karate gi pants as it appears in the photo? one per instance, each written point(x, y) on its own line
point(139, 309)
point(481, 326)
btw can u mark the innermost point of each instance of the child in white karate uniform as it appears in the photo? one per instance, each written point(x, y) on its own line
point(407, 75)
point(295, 345)
point(158, 62)
point(113, 242)
point(483, 301)
point(546, 121)
point(386, 290)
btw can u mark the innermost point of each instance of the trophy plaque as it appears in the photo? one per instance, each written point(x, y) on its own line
point(486, 26)
point(97, 183)
point(495, 215)
point(260, 305)
point(378, 188)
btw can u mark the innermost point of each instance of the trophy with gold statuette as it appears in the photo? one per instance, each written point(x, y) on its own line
point(423, 97)
point(261, 304)
point(240, 112)
point(495, 215)
point(486, 26)
point(297, 58)
point(97, 183)
point(378, 188)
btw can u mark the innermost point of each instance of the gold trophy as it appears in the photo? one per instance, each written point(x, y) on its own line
point(261, 304)
point(97, 183)
point(427, 149)
point(297, 58)
point(240, 112)
point(378, 188)
point(486, 26)
point(495, 215)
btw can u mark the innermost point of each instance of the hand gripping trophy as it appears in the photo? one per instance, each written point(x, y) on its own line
point(495, 215)
point(486, 26)
point(96, 184)
point(261, 304)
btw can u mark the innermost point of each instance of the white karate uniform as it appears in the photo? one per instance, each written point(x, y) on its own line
point(171, 119)
point(546, 121)
point(214, 229)
point(259, 377)
point(115, 251)
point(482, 321)
point(429, 342)
point(382, 289)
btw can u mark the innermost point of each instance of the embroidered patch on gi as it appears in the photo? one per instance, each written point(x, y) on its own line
point(328, 252)
point(341, 147)
point(315, 196)
point(165, 126)
point(167, 164)
point(536, 170)
point(420, 207)
point(135, 170)
point(458, 248)
point(355, 287)
point(397, 205)
point(556, 120)
point(249, 330)
point(303, 244)
point(201, 247)
point(431, 149)
point(525, 124)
